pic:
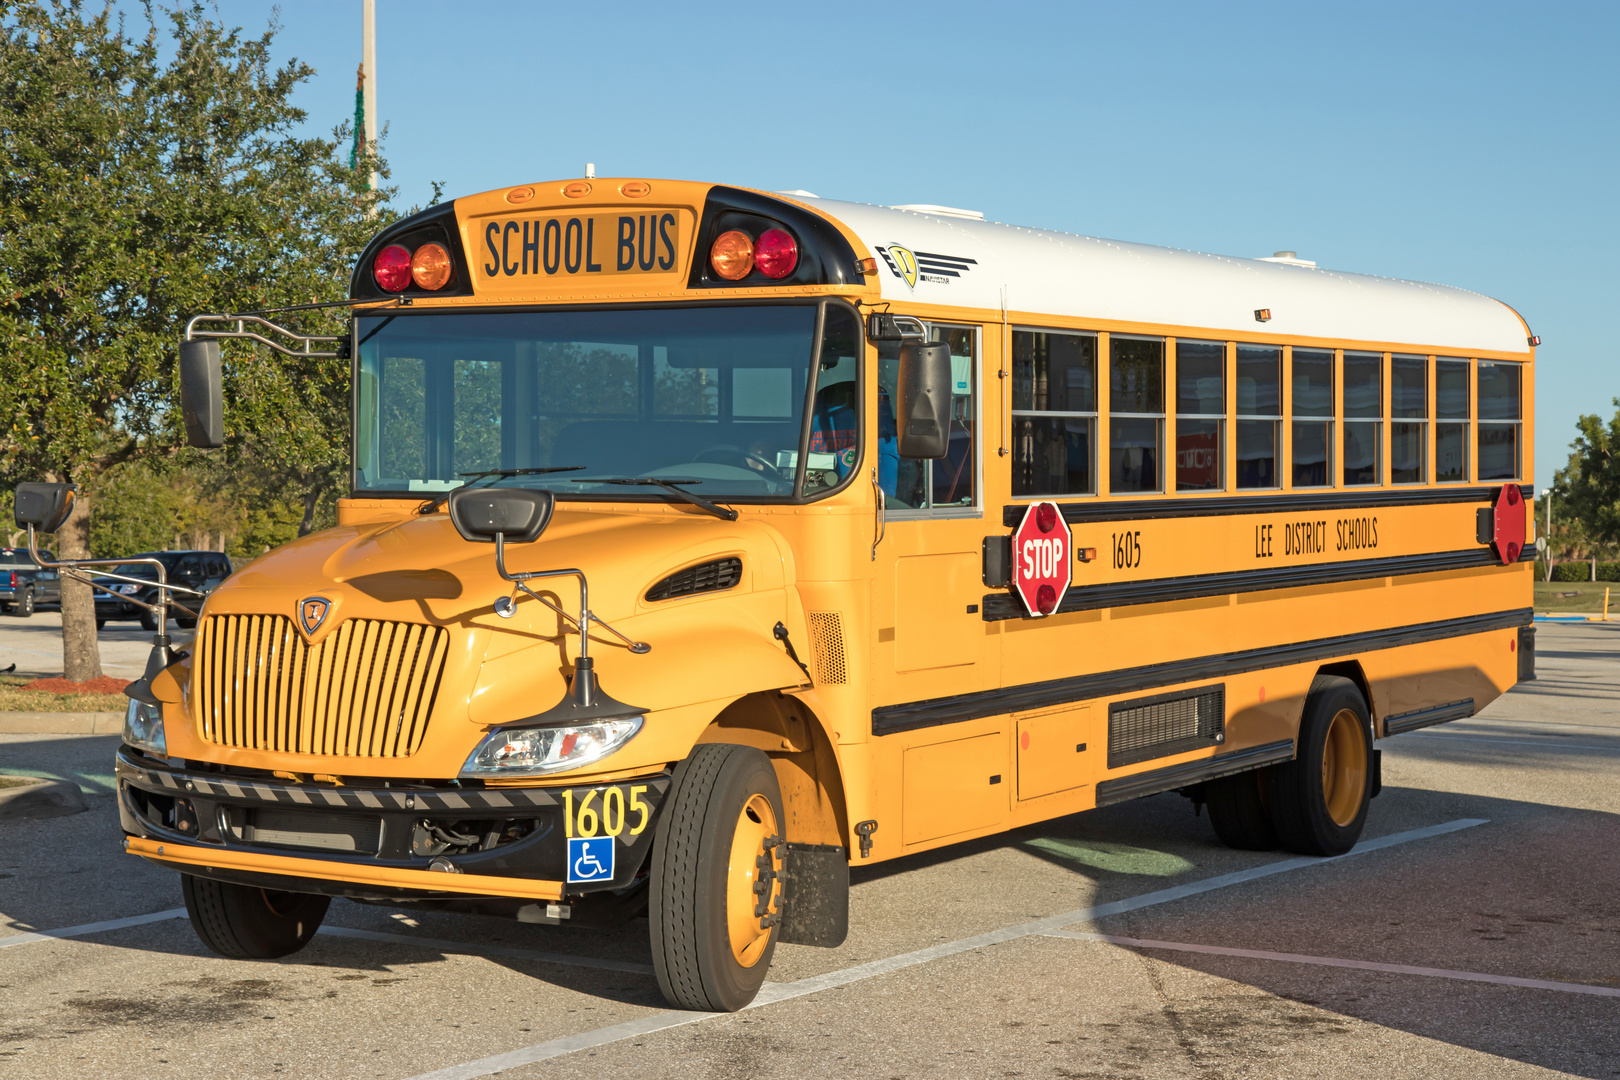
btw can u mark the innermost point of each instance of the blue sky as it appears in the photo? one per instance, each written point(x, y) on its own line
point(1472, 144)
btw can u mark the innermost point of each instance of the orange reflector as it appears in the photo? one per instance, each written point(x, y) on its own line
point(430, 267)
point(636, 189)
point(1262, 314)
point(520, 195)
point(732, 255)
point(577, 190)
point(867, 266)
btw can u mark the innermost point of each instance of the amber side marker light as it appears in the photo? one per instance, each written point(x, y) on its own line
point(392, 268)
point(636, 189)
point(430, 267)
point(1262, 314)
point(732, 255)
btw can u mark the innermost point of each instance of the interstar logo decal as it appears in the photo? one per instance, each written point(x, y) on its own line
point(312, 612)
point(914, 266)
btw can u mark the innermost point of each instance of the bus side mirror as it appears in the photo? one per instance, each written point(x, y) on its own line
point(520, 515)
point(44, 506)
point(923, 411)
point(202, 399)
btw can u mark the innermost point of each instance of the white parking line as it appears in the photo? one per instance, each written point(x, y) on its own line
point(1537, 743)
point(775, 992)
point(1339, 962)
point(90, 928)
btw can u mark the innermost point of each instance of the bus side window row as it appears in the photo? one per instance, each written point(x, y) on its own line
point(1056, 425)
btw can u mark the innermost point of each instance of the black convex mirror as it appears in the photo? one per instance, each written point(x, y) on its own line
point(202, 399)
point(44, 506)
point(923, 411)
point(520, 515)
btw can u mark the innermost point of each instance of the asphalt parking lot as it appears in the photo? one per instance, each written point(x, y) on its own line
point(34, 644)
point(1475, 932)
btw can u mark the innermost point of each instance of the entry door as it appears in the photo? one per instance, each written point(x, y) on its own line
point(935, 523)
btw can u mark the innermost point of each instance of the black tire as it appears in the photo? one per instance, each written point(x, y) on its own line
point(101, 624)
point(24, 607)
point(1313, 812)
point(148, 621)
point(688, 908)
point(1237, 810)
point(185, 623)
point(245, 923)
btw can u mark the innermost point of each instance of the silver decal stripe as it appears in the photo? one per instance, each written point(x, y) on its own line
point(369, 801)
point(455, 802)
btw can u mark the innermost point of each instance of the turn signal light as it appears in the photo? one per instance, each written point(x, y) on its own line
point(430, 267)
point(732, 255)
point(776, 254)
point(392, 268)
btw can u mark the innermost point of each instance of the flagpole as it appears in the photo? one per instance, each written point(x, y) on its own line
point(368, 59)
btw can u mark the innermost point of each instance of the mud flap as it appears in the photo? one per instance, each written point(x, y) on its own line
point(815, 895)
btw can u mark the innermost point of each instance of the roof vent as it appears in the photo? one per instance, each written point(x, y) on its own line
point(1288, 258)
point(941, 211)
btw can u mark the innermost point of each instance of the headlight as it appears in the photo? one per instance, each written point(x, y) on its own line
point(143, 726)
point(127, 590)
point(534, 751)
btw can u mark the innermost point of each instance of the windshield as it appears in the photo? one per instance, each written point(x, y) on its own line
point(710, 398)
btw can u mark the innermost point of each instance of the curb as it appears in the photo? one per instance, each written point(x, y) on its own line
point(61, 723)
point(41, 799)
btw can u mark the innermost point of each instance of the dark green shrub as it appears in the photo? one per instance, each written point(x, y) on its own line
point(1572, 571)
point(1609, 571)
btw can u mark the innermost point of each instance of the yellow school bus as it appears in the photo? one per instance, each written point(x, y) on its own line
point(679, 572)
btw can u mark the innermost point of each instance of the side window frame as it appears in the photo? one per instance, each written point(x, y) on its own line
point(975, 509)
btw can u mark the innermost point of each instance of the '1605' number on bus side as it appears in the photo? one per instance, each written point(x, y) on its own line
point(1128, 550)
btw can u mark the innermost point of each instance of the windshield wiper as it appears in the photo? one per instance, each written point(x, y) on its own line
point(439, 500)
point(724, 513)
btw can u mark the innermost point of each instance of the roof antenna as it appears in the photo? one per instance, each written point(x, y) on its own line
point(590, 170)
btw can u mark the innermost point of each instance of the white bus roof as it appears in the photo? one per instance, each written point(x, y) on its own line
point(963, 262)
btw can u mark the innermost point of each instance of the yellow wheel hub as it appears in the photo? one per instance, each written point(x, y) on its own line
point(1344, 768)
point(753, 884)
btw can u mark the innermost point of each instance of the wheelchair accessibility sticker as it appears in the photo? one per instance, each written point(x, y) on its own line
point(590, 858)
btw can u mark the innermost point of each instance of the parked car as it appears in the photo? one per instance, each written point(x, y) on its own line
point(201, 570)
point(24, 584)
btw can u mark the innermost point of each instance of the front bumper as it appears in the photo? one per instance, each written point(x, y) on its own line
point(377, 843)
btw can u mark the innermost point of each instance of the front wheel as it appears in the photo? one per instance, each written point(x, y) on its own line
point(1319, 800)
point(246, 923)
point(25, 605)
point(716, 882)
point(148, 621)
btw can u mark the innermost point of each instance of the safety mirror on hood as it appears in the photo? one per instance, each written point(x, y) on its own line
point(44, 506)
point(519, 515)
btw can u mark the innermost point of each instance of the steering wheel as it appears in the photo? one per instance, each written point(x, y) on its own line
point(726, 454)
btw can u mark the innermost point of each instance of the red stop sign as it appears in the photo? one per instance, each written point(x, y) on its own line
point(1040, 558)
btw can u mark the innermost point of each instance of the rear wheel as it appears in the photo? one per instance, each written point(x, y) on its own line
point(246, 923)
point(716, 884)
point(1319, 800)
point(25, 605)
point(148, 621)
point(1237, 809)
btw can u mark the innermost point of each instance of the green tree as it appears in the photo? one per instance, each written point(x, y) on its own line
point(1587, 490)
point(146, 180)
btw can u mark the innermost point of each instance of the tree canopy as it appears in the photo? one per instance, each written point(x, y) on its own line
point(1588, 488)
point(150, 177)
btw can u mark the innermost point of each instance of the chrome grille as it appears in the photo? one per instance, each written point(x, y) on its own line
point(366, 690)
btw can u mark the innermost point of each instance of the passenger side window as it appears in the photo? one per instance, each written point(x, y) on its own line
point(1054, 413)
point(950, 481)
point(1313, 417)
point(1499, 450)
point(1135, 414)
point(1363, 418)
point(1451, 406)
point(1200, 415)
point(1259, 409)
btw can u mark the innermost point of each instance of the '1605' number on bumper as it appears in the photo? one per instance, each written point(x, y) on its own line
point(607, 811)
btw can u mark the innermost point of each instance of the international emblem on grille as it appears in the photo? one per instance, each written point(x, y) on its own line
point(312, 612)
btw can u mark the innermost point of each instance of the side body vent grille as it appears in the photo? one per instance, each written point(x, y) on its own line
point(1166, 724)
point(827, 643)
point(714, 576)
point(366, 690)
